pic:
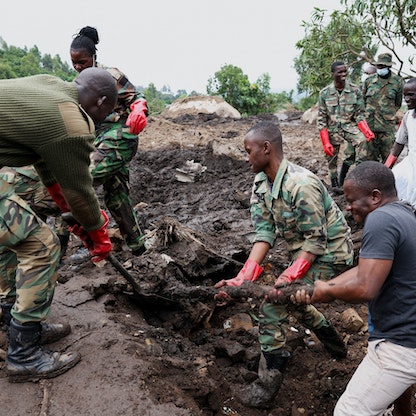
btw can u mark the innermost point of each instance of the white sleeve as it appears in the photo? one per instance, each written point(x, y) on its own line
point(402, 134)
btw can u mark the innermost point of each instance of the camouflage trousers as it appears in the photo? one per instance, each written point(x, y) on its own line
point(379, 148)
point(274, 319)
point(115, 148)
point(348, 157)
point(354, 148)
point(27, 184)
point(29, 255)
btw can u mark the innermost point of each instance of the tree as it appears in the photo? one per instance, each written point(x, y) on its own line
point(18, 62)
point(154, 100)
point(343, 38)
point(390, 22)
point(233, 85)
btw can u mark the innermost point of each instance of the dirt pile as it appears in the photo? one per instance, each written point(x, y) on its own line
point(172, 350)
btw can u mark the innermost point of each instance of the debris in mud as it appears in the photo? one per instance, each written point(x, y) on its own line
point(175, 351)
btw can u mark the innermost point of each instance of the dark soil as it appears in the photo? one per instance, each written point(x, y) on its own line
point(171, 350)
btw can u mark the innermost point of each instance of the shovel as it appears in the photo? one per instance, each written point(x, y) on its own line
point(70, 220)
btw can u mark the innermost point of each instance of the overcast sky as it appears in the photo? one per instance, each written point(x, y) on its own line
point(178, 43)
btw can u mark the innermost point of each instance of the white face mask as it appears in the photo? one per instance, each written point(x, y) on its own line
point(382, 71)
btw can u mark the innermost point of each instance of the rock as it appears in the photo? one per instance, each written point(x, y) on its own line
point(230, 349)
point(227, 148)
point(201, 105)
point(352, 321)
point(239, 321)
point(311, 115)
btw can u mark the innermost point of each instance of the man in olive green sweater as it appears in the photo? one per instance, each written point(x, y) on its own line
point(49, 123)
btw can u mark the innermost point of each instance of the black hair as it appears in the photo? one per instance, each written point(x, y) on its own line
point(371, 175)
point(268, 131)
point(87, 38)
point(336, 64)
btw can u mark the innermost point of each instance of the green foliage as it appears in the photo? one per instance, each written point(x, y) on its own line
point(343, 38)
point(249, 99)
point(154, 99)
point(159, 100)
point(390, 23)
point(306, 102)
point(17, 62)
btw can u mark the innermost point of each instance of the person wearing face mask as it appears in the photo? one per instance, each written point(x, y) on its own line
point(383, 95)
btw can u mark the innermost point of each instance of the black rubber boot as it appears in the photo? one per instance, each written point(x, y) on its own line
point(335, 186)
point(262, 392)
point(140, 249)
point(49, 332)
point(124, 215)
point(332, 341)
point(6, 309)
point(26, 360)
point(334, 182)
point(343, 173)
point(64, 239)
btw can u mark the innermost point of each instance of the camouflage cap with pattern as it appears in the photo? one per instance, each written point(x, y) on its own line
point(384, 59)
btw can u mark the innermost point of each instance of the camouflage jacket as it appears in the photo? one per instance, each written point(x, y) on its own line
point(382, 97)
point(339, 112)
point(127, 95)
point(299, 209)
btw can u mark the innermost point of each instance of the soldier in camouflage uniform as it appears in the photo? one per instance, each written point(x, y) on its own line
point(49, 123)
point(341, 120)
point(383, 95)
point(291, 202)
point(29, 187)
point(116, 140)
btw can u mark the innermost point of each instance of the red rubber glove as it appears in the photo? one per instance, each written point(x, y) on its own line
point(390, 161)
point(328, 148)
point(55, 192)
point(97, 241)
point(250, 271)
point(137, 118)
point(295, 271)
point(363, 126)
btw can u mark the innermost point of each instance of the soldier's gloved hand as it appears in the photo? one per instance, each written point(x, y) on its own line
point(365, 129)
point(55, 192)
point(295, 271)
point(390, 161)
point(137, 119)
point(328, 148)
point(97, 241)
point(251, 271)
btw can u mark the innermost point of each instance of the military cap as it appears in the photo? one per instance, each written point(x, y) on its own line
point(384, 59)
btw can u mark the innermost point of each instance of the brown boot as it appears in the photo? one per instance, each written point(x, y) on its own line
point(26, 360)
point(262, 392)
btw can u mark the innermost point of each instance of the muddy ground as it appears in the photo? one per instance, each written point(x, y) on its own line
point(172, 350)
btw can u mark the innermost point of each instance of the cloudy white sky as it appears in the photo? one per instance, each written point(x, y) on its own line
point(178, 43)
